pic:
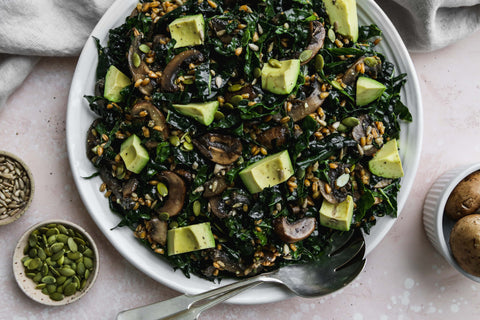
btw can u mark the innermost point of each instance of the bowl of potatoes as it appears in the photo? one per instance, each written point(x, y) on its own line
point(451, 218)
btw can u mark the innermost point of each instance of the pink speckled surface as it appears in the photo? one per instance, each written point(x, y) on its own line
point(405, 278)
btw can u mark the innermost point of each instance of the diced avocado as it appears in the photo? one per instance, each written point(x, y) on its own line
point(386, 162)
point(368, 90)
point(337, 216)
point(343, 15)
point(115, 81)
point(133, 154)
point(202, 112)
point(268, 172)
point(188, 30)
point(281, 78)
point(190, 238)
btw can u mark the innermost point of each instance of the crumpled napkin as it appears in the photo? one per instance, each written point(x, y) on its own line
point(32, 29)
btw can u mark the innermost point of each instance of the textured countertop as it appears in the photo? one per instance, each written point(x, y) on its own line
point(405, 278)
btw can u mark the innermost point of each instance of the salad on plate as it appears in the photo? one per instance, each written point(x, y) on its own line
point(235, 137)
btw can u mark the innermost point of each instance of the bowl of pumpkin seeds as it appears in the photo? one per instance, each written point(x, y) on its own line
point(16, 187)
point(55, 262)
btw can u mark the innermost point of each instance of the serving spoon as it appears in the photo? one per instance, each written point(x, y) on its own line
point(333, 271)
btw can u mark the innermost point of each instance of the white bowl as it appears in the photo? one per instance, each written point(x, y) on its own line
point(437, 225)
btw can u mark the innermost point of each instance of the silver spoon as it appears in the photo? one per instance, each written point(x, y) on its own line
point(332, 272)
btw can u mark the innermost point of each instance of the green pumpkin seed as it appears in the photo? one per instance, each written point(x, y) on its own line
point(32, 253)
point(62, 229)
point(351, 121)
point(88, 253)
point(274, 63)
point(87, 273)
point(30, 274)
point(319, 62)
point(45, 269)
point(62, 238)
point(81, 268)
point(331, 35)
point(49, 279)
point(52, 239)
point(52, 231)
point(41, 254)
point(57, 255)
point(34, 264)
point(188, 146)
point(56, 296)
point(51, 288)
point(219, 115)
point(235, 87)
point(72, 245)
point(162, 188)
point(228, 105)
point(56, 247)
point(40, 286)
point(342, 128)
point(54, 271)
point(144, 48)
point(235, 100)
point(305, 55)
point(45, 290)
point(257, 72)
point(197, 207)
point(164, 216)
point(174, 140)
point(70, 289)
point(37, 277)
point(67, 272)
point(61, 279)
point(136, 60)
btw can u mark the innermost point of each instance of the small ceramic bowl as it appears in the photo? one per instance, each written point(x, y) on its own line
point(24, 276)
point(438, 226)
point(16, 187)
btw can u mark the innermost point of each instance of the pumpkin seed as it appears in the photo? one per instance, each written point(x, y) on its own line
point(56, 247)
point(49, 279)
point(274, 63)
point(74, 255)
point(319, 62)
point(144, 48)
point(305, 55)
point(56, 296)
point(351, 121)
point(162, 188)
point(51, 288)
point(235, 87)
point(235, 100)
point(67, 272)
point(72, 245)
point(70, 289)
point(62, 238)
point(164, 216)
point(136, 60)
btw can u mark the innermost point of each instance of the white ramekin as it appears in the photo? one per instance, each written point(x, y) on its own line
point(437, 225)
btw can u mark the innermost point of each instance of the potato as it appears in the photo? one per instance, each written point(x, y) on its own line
point(465, 198)
point(465, 243)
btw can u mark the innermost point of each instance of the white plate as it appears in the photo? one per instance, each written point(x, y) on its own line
point(79, 118)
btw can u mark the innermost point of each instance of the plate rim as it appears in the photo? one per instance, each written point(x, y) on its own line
point(265, 293)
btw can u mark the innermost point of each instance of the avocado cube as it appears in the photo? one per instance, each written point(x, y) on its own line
point(267, 172)
point(133, 154)
point(343, 14)
point(202, 112)
point(368, 90)
point(337, 215)
point(281, 78)
point(386, 162)
point(115, 81)
point(188, 31)
point(190, 238)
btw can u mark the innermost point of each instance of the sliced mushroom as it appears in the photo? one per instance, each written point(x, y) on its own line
point(326, 192)
point(115, 186)
point(156, 115)
point(214, 187)
point(219, 148)
point(173, 67)
point(157, 230)
point(246, 89)
point(138, 67)
point(317, 36)
point(228, 205)
point(129, 187)
point(302, 108)
point(93, 140)
point(176, 193)
point(293, 232)
point(273, 137)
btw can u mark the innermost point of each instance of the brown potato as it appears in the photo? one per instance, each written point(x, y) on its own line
point(465, 198)
point(465, 243)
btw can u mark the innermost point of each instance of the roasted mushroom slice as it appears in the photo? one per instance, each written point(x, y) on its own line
point(138, 67)
point(156, 231)
point(176, 193)
point(214, 187)
point(362, 132)
point(219, 26)
point(302, 108)
point(219, 148)
point(173, 67)
point(93, 140)
point(317, 36)
point(274, 137)
point(143, 108)
point(293, 232)
point(117, 189)
point(228, 204)
point(245, 90)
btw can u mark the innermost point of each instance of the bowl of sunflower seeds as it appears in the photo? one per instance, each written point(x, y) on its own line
point(16, 187)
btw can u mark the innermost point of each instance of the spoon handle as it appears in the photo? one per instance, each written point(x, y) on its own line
point(194, 312)
point(184, 302)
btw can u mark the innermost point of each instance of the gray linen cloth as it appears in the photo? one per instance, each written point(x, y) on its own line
point(38, 28)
